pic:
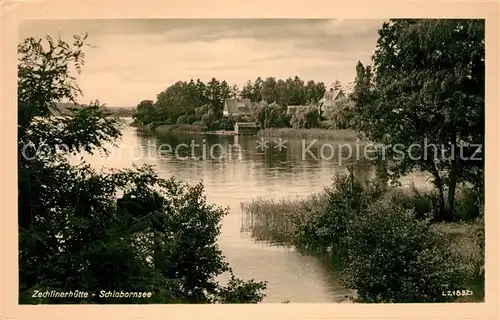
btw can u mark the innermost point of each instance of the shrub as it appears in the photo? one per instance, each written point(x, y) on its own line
point(341, 114)
point(327, 228)
point(326, 124)
point(466, 205)
point(466, 240)
point(305, 117)
point(189, 128)
point(271, 116)
point(392, 257)
point(182, 119)
point(425, 203)
point(239, 291)
point(422, 203)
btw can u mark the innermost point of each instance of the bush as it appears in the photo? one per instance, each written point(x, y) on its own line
point(426, 203)
point(392, 257)
point(239, 291)
point(186, 119)
point(466, 240)
point(422, 203)
point(326, 124)
point(341, 114)
point(271, 116)
point(327, 228)
point(305, 117)
point(466, 205)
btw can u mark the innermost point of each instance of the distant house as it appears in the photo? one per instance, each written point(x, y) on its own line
point(245, 128)
point(237, 107)
point(329, 99)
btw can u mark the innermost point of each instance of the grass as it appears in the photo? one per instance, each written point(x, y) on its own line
point(466, 240)
point(425, 201)
point(273, 220)
point(314, 133)
point(186, 128)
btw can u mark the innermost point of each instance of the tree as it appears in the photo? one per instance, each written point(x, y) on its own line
point(337, 85)
point(145, 111)
point(249, 91)
point(271, 115)
point(269, 90)
point(305, 117)
point(180, 98)
point(74, 234)
point(314, 91)
point(427, 89)
point(341, 114)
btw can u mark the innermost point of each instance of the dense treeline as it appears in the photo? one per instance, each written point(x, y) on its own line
point(199, 103)
point(64, 109)
point(285, 92)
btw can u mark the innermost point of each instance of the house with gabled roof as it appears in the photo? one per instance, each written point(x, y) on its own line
point(329, 99)
point(237, 107)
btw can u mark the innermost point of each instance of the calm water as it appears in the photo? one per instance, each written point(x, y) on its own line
point(240, 175)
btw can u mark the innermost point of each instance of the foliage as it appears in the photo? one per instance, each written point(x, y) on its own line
point(425, 203)
point(291, 91)
point(276, 220)
point(74, 234)
point(374, 237)
point(271, 116)
point(305, 117)
point(188, 101)
point(238, 291)
point(392, 257)
point(427, 89)
point(146, 112)
point(341, 114)
point(320, 232)
point(466, 242)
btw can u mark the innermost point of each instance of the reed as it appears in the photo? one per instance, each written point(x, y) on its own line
point(275, 221)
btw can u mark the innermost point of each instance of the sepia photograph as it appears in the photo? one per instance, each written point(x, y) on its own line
point(213, 160)
point(238, 161)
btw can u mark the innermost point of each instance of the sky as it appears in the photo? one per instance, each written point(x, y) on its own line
point(134, 60)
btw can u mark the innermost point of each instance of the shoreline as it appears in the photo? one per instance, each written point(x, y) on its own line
point(284, 221)
point(313, 133)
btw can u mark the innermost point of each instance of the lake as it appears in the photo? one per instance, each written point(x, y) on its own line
point(238, 168)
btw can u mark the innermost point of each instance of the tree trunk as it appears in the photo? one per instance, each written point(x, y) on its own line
point(453, 172)
point(442, 207)
point(451, 190)
point(442, 214)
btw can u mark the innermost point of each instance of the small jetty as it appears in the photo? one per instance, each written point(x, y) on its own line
point(219, 133)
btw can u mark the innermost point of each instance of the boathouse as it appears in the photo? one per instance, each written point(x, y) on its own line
point(245, 128)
